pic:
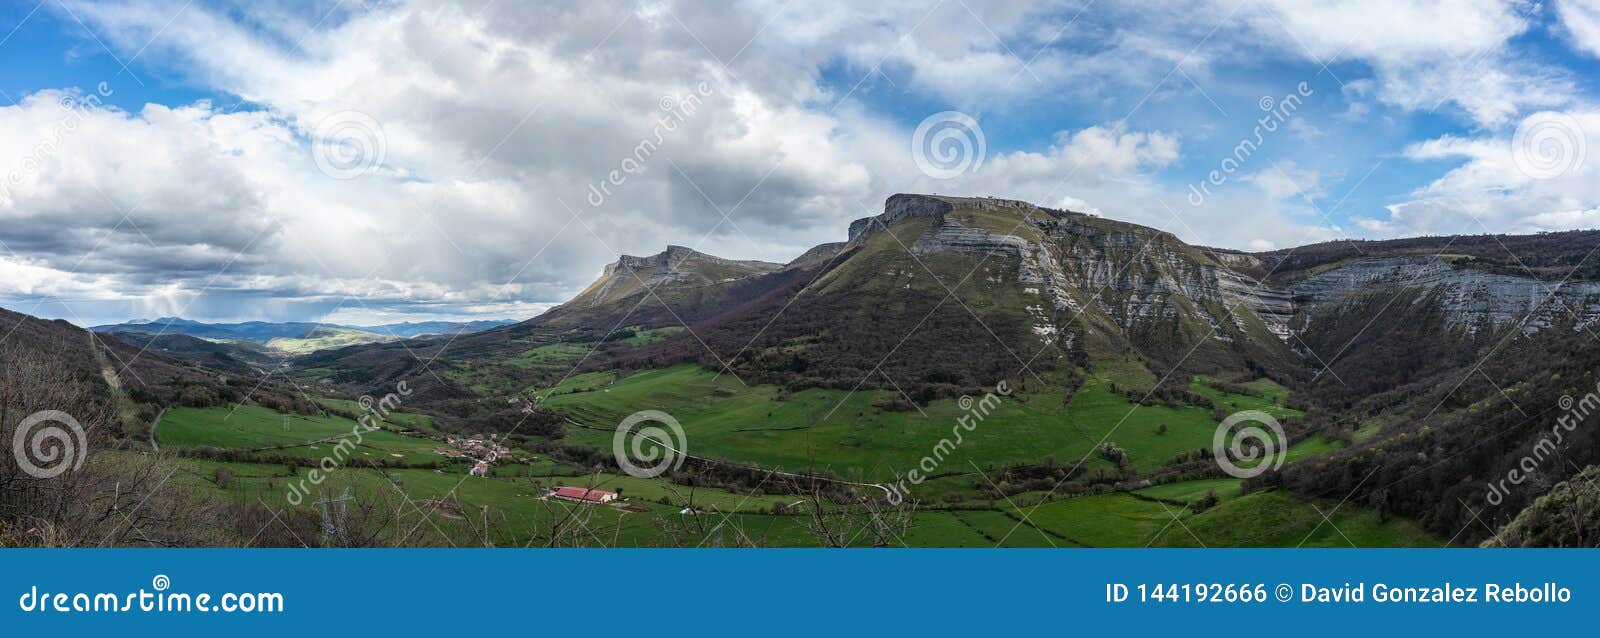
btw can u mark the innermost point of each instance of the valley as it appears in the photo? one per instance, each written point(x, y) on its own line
point(1008, 375)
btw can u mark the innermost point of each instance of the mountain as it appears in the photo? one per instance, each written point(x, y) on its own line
point(673, 269)
point(1414, 368)
point(409, 329)
point(238, 357)
point(255, 331)
point(292, 337)
point(943, 289)
point(130, 381)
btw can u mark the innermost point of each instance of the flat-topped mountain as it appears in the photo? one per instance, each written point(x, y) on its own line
point(676, 266)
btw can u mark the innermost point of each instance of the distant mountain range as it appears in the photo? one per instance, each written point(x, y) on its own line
point(295, 337)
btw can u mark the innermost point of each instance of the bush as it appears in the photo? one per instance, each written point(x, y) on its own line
point(222, 477)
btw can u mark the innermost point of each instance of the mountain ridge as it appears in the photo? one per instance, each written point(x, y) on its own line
point(263, 332)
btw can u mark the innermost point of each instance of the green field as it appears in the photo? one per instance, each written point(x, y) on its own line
point(258, 429)
point(1278, 519)
point(724, 418)
point(1271, 400)
point(1193, 491)
point(395, 420)
point(326, 338)
point(759, 424)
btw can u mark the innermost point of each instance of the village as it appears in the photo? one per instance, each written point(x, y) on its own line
point(484, 452)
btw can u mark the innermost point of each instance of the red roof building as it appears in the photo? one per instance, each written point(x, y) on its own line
point(584, 494)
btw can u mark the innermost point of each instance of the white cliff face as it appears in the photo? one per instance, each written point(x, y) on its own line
point(1469, 295)
point(1145, 269)
point(1039, 270)
point(1128, 272)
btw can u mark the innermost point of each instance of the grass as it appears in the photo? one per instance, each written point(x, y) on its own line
point(725, 419)
point(253, 427)
point(514, 510)
point(552, 355)
point(1271, 401)
point(582, 382)
point(1278, 519)
point(1108, 520)
point(647, 337)
point(514, 506)
point(395, 420)
point(1259, 519)
point(326, 338)
point(844, 431)
point(1310, 446)
point(1193, 491)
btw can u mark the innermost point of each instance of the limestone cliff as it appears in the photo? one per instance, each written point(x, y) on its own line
point(1470, 295)
point(1124, 271)
point(676, 265)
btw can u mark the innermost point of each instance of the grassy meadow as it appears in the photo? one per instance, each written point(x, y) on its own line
point(848, 433)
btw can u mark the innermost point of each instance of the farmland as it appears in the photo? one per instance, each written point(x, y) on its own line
point(765, 426)
point(758, 424)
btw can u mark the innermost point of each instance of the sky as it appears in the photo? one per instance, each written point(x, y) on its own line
point(367, 162)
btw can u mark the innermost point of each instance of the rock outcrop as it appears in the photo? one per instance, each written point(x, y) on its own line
point(676, 265)
point(1127, 272)
point(676, 261)
point(1470, 296)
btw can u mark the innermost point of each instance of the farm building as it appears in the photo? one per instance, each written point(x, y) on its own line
point(584, 495)
point(481, 469)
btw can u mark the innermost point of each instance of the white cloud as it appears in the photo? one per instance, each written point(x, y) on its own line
point(1581, 21)
point(1553, 185)
point(1287, 181)
point(497, 119)
point(1423, 54)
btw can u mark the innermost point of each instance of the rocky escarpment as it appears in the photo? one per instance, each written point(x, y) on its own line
point(1126, 272)
point(1038, 266)
point(676, 265)
point(1145, 269)
point(1470, 296)
point(1130, 272)
point(909, 206)
point(675, 262)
